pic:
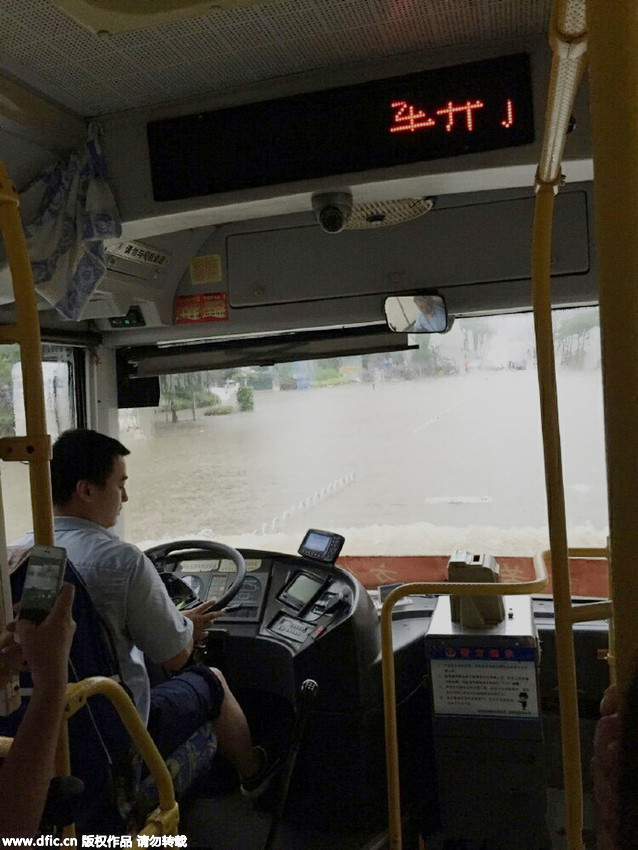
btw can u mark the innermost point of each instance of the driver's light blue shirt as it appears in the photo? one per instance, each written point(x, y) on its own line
point(434, 323)
point(130, 596)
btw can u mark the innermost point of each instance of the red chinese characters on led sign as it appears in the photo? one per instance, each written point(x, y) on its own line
point(408, 118)
point(379, 123)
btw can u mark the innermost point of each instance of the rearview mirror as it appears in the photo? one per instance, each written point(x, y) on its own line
point(419, 313)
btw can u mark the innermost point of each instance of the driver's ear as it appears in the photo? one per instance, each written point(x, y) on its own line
point(84, 490)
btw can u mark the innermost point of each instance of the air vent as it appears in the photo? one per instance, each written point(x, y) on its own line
point(381, 213)
point(110, 17)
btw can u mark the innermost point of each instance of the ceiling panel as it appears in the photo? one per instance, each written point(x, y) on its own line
point(94, 75)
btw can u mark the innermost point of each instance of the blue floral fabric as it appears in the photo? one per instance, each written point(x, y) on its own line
point(65, 241)
point(188, 764)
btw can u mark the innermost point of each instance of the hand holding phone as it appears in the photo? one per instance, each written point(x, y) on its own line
point(42, 583)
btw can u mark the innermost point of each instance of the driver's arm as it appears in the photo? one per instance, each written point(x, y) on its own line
point(201, 617)
point(178, 661)
point(153, 622)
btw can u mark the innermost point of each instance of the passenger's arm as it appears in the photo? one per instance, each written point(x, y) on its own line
point(604, 768)
point(29, 765)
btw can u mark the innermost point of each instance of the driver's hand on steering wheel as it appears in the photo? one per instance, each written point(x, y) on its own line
point(202, 616)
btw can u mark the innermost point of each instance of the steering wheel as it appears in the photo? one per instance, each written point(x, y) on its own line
point(170, 553)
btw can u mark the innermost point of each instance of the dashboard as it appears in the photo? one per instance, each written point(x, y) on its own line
point(297, 619)
point(286, 599)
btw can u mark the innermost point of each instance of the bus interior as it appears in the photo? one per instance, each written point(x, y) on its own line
point(230, 209)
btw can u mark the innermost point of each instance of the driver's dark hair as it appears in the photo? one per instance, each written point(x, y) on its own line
point(81, 454)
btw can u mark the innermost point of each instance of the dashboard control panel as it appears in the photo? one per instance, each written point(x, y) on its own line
point(248, 601)
point(291, 628)
point(291, 600)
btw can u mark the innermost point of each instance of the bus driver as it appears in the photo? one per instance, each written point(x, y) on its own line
point(88, 480)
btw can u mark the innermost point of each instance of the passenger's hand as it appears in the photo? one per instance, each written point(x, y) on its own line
point(11, 658)
point(45, 647)
point(604, 767)
point(202, 617)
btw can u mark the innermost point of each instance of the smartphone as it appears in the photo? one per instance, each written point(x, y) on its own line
point(42, 583)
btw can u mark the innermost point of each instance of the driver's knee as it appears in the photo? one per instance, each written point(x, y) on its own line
point(219, 675)
point(229, 704)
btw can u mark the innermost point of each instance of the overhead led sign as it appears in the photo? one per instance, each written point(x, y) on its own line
point(481, 106)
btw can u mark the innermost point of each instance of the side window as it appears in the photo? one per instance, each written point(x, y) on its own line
point(59, 380)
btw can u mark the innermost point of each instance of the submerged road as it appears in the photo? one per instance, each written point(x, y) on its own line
point(460, 450)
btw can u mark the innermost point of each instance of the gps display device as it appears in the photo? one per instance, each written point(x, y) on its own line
point(323, 546)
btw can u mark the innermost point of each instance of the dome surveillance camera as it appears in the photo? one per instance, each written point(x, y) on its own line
point(332, 210)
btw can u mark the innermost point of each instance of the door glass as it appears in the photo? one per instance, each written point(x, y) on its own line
point(60, 412)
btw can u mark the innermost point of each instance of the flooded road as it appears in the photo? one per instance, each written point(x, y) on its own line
point(440, 457)
point(406, 467)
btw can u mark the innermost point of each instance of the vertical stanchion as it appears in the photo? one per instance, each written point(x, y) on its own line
point(613, 82)
point(10, 693)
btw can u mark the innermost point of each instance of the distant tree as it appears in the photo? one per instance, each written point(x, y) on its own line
point(424, 358)
point(479, 330)
point(9, 356)
point(245, 398)
point(572, 334)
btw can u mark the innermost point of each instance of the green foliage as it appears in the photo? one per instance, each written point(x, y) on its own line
point(327, 372)
point(330, 381)
point(426, 352)
point(479, 331)
point(260, 380)
point(572, 336)
point(9, 355)
point(7, 424)
point(220, 410)
point(182, 401)
point(245, 398)
point(207, 397)
point(578, 324)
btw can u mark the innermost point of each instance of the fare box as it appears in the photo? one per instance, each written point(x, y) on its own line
point(485, 672)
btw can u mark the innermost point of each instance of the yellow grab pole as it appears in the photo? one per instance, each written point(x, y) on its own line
point(28, 335)
point(565, 655)
point(613, 84)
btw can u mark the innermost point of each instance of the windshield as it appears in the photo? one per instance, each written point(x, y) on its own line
point(418, 452)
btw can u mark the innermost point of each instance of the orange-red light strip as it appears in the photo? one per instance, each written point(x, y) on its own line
point(507, 123)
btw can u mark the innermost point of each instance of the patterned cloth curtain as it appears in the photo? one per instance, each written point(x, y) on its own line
point(65, 240)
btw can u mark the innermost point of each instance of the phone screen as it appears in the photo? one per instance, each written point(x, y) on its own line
point(42, 582)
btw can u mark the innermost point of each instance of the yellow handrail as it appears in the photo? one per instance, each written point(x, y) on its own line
point(166, 816)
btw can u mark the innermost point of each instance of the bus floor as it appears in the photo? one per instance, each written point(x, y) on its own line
point(231, 822)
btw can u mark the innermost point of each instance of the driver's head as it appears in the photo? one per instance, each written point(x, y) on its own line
point(424, 303)
point(88, 475)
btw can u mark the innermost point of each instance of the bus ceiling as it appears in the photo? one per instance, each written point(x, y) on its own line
point(213, 247)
